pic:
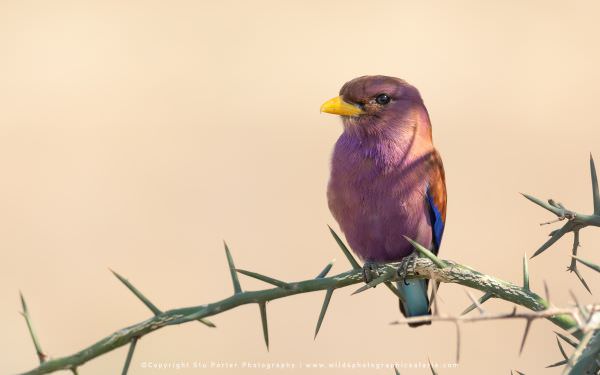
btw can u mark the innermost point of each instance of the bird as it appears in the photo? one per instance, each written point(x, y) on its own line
point(387, 179)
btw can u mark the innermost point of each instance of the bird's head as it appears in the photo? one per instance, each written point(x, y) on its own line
point(370, 104)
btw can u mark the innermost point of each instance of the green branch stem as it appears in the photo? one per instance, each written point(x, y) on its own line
point(424, 267)
point(34, 338)
point(428, 265)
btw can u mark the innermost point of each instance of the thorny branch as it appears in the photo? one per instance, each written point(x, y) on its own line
point(423, 267)
point(581, 322)
point(575, 222)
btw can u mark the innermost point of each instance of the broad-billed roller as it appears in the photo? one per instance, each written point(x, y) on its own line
point(387, 180)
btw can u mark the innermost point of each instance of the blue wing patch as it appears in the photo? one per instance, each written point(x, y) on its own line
point(437, 223)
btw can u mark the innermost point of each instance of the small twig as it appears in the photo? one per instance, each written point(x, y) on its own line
point(591, 265)
point(528, 316)
point(573, 266)
point(344, 249)
point(152, 307)
point(266, 279)
point(433, 372)
point(326, 301)
point(565, 359)
point(326, 270)
point(263, 319)
point(486, 296)
point(595, 189)
point(435, 297)
point(129, 355)
point(584, 315)
point(426, 253)
point(475, 302)
point(234, 277)
point(488, 316)
point(567, 339)
point(387, 276)
point(36, 342)
point(528, 323)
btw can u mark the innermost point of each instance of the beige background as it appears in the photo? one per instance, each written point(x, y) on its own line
point(139, 135)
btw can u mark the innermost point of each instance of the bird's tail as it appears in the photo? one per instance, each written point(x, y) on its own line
point(416, 302)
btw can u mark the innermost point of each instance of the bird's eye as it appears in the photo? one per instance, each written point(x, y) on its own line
point(383, 99)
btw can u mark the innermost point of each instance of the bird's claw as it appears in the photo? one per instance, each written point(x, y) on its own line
point(369, 272)
point(403, 269)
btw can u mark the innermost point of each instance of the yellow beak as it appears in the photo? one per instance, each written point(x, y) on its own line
point(338, 106)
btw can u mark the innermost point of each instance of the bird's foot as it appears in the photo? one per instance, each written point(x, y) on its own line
point(403, 269)
point(369, 272)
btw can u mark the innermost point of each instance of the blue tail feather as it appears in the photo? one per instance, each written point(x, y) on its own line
point(416, 302)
